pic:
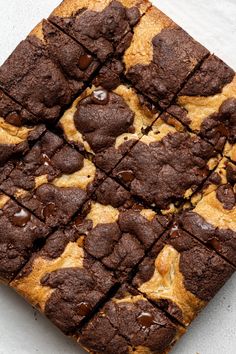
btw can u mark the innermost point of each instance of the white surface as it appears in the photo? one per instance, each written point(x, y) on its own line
point(22, 330)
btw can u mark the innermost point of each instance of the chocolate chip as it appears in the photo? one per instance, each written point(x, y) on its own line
point(21, 218)
point(100, 96)
point(14, 118)
point(49, 210)
point(145, 319)
point(84, 61)
point(126, 176)
point(84, 308)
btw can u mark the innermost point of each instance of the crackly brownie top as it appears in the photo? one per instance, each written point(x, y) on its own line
point(160, 57)
point(20, 232)
point(207, 103)
point(167, 155)
point(117, 229)
point(112, 23)
point(128, 322)
point(63, 280)
point(212, 220)
point(53, 180)
point(181, 274)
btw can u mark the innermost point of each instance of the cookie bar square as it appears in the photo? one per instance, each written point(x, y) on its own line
point(161, 57)
point(107, 123)
point(181, 275)
point(213, 218)
point(20, 234)
point(130, 323)
point(104, 27)
point(16, 131)
point(117, 230)
point(167, 165)
point(46, 70)
point(63, 281)
point(207, 103)
point(53, 180)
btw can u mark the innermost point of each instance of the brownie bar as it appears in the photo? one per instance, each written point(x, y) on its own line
point(161, 57)
point(167, 165)
point(181, 275)
point(20, 235)
point(106, 123)
point(63, 281)
point(15, 135)
point(53, 180)
point(213, 219)
point(207, 103)
point(104, 27)
point(46, 71)
point(129, 323)
point(118, 230)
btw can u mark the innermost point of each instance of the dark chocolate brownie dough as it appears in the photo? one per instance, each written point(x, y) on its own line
point(107, 123)
point(53, 180)
point(74, 61)
point(118, 230)
point(63, 281)
point(181, 275)
point(213, 219)
point(20, 235)
point(104, 28)
point(207, 103)
point(161, 57)
point(129, 323)
point(35, 81)
point(167, 165)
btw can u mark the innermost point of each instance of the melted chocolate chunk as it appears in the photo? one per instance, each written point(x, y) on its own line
point(145, 319)
point(101, 118)
point(84, 61)
point(21, 218)
point(108, 31)
point(177, 157)
point(175, 55)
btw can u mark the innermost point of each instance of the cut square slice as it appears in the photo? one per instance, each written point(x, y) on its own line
point(181, 275)
point(213, 219)
point(53, 180)
point(104, 27)
point(129, 323)
point(20, 235)
point(161, 57)
point(63, 281)
point(106, 123)
point(207, 103)
point(118, 231)
point(41, 75)
point(167, 165)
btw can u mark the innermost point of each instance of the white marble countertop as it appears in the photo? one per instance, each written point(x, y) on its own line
point(23, 330)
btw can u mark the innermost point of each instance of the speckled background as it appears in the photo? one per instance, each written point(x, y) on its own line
point(22, 329)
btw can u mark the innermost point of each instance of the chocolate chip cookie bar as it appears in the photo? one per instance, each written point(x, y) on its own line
point(21, 233)
point(129, 323)
point(212, 219)
point(63, 281)
point(181, 275)
point(167, 165)
point(53, 180)
point(107, 123)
